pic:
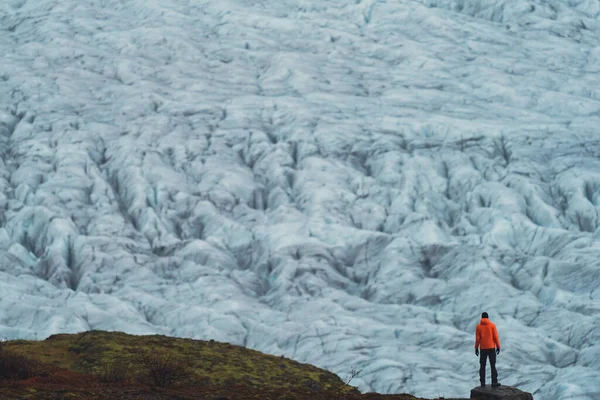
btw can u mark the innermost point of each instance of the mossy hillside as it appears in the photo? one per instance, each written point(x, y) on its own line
point(211, 362)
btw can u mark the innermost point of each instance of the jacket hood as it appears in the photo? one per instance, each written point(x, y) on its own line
point(485, 321)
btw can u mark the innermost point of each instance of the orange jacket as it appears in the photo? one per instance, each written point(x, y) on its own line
point(486, 335)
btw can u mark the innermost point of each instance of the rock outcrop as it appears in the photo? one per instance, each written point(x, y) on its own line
point(499, 393)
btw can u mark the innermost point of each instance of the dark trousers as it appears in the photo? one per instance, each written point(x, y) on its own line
point(483, 355)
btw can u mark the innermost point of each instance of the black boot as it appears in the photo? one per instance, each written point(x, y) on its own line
point(495, 384)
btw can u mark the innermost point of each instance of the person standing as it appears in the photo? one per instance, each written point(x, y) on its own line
point(486, 337)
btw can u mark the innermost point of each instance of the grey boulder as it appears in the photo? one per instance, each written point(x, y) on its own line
point(499, 393)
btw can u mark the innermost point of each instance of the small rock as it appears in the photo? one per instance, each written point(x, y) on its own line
point(499, 393)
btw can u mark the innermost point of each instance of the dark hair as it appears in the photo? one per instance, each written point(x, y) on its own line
point(485, 315)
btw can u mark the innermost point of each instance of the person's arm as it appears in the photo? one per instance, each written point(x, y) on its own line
point(496, 338)
point(477, 337)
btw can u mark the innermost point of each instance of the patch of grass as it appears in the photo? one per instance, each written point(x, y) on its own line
point(16, 366)
point(115, 357)
point(111, 372)
point(162, 370)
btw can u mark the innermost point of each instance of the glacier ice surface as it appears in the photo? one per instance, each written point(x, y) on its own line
point(346, 183)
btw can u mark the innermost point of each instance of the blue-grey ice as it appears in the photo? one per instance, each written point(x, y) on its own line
point(349, 183)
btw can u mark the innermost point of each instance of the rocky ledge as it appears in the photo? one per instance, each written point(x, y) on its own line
point(499, 393)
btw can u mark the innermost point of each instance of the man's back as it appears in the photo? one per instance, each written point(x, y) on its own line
point(486, 335)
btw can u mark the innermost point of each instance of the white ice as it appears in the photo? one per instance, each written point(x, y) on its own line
point(349, 183)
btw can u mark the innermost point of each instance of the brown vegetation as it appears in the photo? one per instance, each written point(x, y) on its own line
point(161, 370)
point(116, 366)
point(15, 366)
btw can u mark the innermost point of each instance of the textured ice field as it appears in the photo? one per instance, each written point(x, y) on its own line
point(348, 183)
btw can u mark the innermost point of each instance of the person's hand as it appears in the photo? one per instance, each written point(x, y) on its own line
point(498, 350)
point(476, 352)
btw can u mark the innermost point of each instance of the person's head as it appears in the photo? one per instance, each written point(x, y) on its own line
point(484, 315)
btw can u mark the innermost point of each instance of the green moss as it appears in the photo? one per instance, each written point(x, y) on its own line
point(210, 361)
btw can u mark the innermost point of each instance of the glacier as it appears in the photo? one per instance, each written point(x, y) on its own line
point(348, 183)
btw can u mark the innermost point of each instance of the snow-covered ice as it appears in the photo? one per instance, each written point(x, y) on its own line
point(349, 183)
